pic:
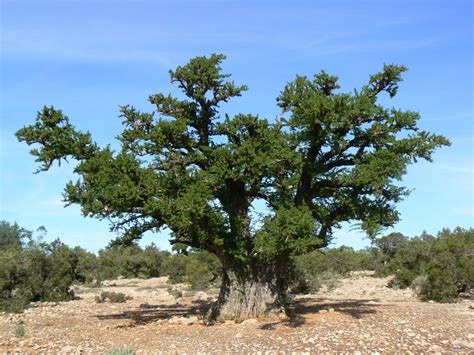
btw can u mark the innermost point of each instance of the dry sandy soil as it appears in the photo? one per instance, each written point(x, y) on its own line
point(361, 316)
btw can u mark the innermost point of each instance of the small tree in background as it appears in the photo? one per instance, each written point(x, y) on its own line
point(331, 157)
point(33, 271)
point(12, 235)
point(390, 244)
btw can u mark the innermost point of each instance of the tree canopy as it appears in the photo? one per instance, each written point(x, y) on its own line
point(331, 157)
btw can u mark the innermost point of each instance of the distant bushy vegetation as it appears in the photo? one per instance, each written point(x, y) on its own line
point(437, 267)
point(326, 267)
point(32, 270)
point(113, 297)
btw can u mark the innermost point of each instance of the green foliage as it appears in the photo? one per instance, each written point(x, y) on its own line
point(331, 157)
point(390, 244)
point(180, 248)
point(120, 351)
point(88, 268)
point(131, 261)
point(382, 252)
point(113, 297)
point(19, 330)
point(202, 270)
point(175, 268)
point(37, 272)
point(340, 260)
point(198, 268)
point(12, 236)
point(439, 268)
point(326, 267)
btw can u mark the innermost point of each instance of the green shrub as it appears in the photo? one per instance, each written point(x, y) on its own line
point(439, 268)
point(390, 244)
point(36, 272)
point(88, 270)
point(175, 268)
point(120, 351)
point(113, 297)
point(131, 261)
point(19, 330)
point(202, 269)
point(32, 270)
point(326, 267)
point(12, 236)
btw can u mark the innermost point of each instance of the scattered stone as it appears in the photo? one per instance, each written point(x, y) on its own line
point(68, 349)
point(384, 323)
point(282, 316)
point(183, 320)
point(463, 343)
point(435, 348)
point(249, 321)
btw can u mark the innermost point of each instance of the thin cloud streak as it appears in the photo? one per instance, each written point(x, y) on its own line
point(135, 45)
point(59, 52)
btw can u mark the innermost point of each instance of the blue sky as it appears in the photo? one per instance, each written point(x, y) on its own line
point(89, 57)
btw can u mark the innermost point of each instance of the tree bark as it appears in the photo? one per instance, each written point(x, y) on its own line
point(242, 296)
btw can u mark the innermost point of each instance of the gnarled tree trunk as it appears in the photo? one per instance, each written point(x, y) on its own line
point(258, 294)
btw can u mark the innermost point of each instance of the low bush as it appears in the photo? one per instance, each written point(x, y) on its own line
point(202, 270)
point(120, 351)
point(325, 268)
point(19, 330)
point(35, 271)
point(198, 268)
point(131, 261)
point(112, 297)
point(175, 268)
point(439, 268)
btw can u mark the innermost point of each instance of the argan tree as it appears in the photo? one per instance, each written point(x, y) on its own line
point(331, 157)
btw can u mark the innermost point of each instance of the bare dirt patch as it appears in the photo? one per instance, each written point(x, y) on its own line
point(361, 315)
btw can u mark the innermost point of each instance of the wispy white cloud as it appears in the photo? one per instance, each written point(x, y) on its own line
point(106, 40)
point(124, 53)
point(60, 49)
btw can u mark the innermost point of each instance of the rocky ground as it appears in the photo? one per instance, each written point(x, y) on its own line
point(361, 316)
